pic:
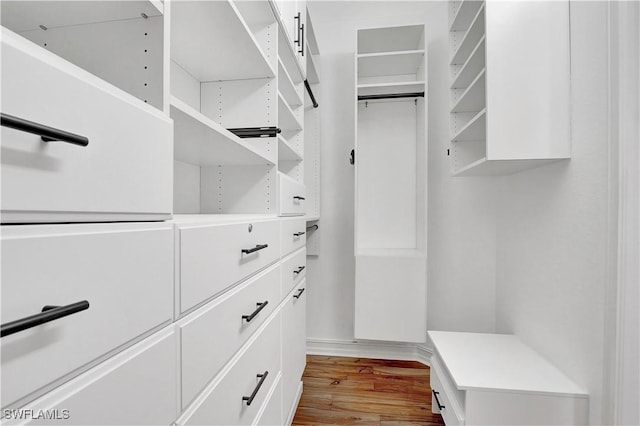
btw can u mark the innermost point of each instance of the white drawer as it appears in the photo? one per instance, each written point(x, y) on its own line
point(451, 399)
point(124, 173)
point(123, 270)
point(294, 269)
point(224, 402)
point(292, 196)
point(136, 387)
point(214, 257)
point(294, 234)
point(211, 335)
point(294, 347)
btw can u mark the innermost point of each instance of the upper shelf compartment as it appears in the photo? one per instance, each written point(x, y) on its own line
point(389, 67)
point(391, 39)
point(120, 42)
point(212, 41)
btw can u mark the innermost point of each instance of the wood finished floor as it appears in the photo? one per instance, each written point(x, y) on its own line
point(362, 391)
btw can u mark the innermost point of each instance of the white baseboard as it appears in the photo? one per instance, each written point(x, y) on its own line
point(370, 349)
point(294, 407)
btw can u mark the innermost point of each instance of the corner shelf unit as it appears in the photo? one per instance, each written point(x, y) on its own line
point(508, 115)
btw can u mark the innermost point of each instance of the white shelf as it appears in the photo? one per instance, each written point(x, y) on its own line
point(287, 120)
point(312, 69)
point(470, 40)
point(467, 10)
point(310, 35)
point(472, 67)
point(462, 171)
point(201, 141)
point(286, 86)
point(21, 16)
point(390, 63)
point(474, 130)
point(286, 151)
point(391, 39)
point(218, 218)
point(391, 252)
point(394, 87)
point(473, 99)
point(211, 41)
point(312, 218)
point(499, 362)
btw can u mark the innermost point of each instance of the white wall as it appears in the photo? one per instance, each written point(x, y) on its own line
point(461, 268)
point(552, 227)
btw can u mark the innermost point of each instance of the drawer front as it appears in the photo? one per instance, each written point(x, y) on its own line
point(292, 196)
point(451, 406)
point(202, 332)
point(294, 269)
point(224, 403)
point(125, 172)
point(124, 271)
point(136, 387)
point(294, 235)
point(212, 257)
point(294, 345)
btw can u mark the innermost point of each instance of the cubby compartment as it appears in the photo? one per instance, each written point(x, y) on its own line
point(225, 104)
point(121, 42)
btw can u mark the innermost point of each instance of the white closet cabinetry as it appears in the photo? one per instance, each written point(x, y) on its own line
point(496, 379)
point(510, 85)
point(391, 184)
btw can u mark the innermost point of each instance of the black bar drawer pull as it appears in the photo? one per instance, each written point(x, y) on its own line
point(260, 307)
point(301, 40)
point(297, 18)
point(300, 291)
point(49, 313)
point(299, 234)
point(46, 133)
point(297, 197)
point(262, 378)
point(300, 269)
point(256, 248)
point(435, 395)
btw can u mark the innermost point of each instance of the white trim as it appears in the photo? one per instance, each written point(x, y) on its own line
point(370, 349)
point(294, 407)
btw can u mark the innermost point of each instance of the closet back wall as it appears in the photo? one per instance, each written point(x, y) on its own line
point(461, 214)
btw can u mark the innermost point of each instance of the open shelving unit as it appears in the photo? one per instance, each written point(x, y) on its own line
point(391, 206)
point(121, 42)
point(224, 75)
point(505, 130)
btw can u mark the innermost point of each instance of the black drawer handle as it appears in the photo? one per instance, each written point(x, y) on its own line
point(301, 40)
point(297, 197)
point(299, 234)
point(46, 133)
point(256, 248)
point(48, 314)
point(435, 395)
point(300, 269)
point(260, 307)
point(262, 378)
point(297, 18)
point(300, 291)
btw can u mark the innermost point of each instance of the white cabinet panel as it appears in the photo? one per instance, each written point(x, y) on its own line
point(213, 257)
point(212, 335)
point(136, 387)
point(123, 270)
point(293, 346)
point(125, 171)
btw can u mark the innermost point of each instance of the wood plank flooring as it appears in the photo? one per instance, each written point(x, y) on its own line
point(362, 391)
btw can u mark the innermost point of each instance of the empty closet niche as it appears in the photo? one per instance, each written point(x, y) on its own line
point(391, 185)
point(224, 102)
point(120, 42)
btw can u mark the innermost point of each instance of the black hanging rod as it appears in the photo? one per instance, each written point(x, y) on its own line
point(256, 132)
point(391, 96)
point(314, 227)
point(46, 133)
point(313, 98)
